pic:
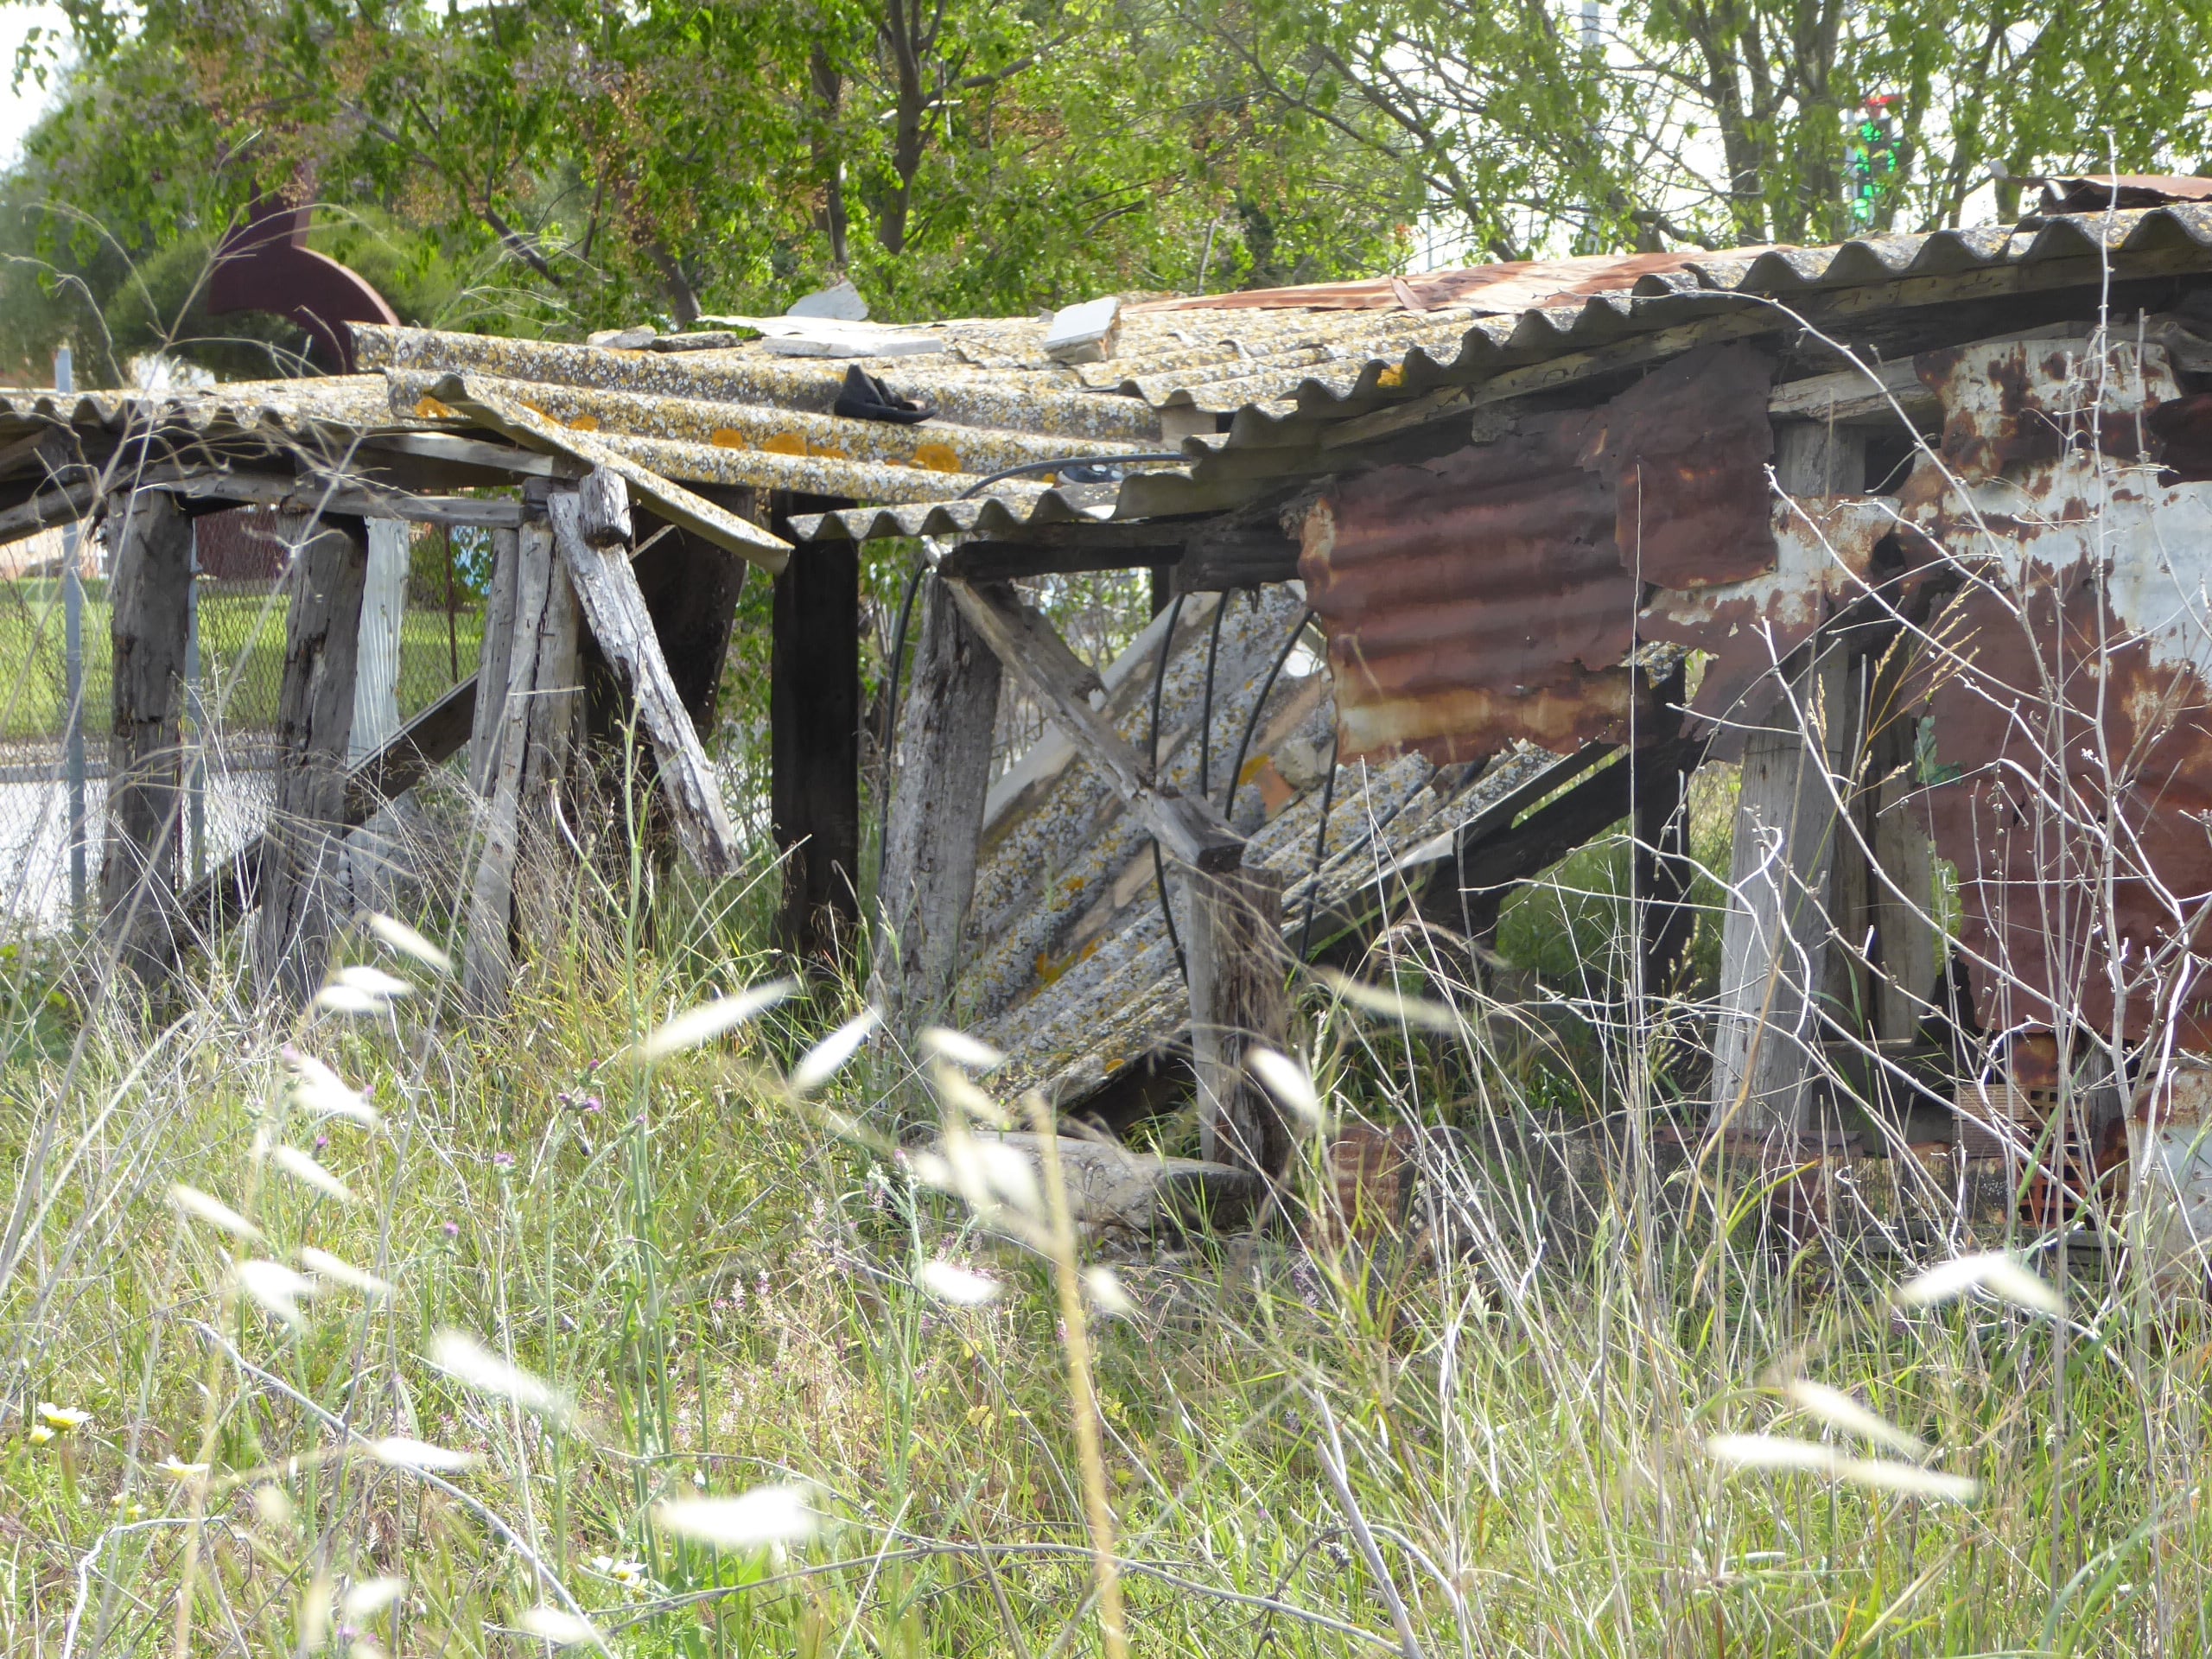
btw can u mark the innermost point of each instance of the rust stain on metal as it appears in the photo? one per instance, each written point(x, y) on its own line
point(1513, 286)
point(1492, 596)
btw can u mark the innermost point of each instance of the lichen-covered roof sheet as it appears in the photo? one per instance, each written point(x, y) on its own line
point(1271, 371)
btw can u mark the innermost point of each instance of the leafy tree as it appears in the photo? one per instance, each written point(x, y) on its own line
point(1650, 123)
point(554, 165)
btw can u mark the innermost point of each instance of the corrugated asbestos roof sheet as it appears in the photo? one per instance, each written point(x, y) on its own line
point(1276, 365)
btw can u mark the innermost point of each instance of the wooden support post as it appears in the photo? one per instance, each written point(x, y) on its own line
point(490, 705)
point(1663, 869)
point(529, 753)
point(616, 611)
point(941, 771)
point(1239, 999)
point(1774, 940)
point(814, 731)
point(304, 849)
point(151, 583)
point(691, 588)
point(1901, 898)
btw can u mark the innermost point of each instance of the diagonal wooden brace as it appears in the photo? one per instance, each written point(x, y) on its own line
point(1188, 830)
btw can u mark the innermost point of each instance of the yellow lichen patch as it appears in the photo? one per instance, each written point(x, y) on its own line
point(429, 408)
point(728, 437)
point(1049, 967)
point(827, 451)
point(1391, 377)
point(584, 423)
point(785, 443)
point(937, 457)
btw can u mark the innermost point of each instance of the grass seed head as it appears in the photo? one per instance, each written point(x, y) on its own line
point(959, 1286)
point(1999, 1272)
point(304, 1170)
point(323, 1265)
point(957, 1048)
point(559, 1626)
point(469, 1362)
point(1840, 1411)
point(1288, 1083)
point(825, 1060)
point(211, 1210)
point(399, 1451)
point(782, 1514)
point(701, 1025)
point(397, 936)
point(276, 1289)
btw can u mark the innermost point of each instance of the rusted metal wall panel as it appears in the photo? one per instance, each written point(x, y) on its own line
point(1491, 596)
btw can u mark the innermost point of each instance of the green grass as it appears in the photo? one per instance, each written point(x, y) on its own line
point(242, 645)
point(722, 1278)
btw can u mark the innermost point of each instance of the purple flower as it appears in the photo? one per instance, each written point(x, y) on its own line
point(591, 1102)
point(503, 1160)
point(453, 1229)
point(320, 1142)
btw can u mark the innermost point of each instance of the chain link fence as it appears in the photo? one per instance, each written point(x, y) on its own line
point(421, 631)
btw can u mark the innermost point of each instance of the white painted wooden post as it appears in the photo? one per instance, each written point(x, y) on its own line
point(383, 611)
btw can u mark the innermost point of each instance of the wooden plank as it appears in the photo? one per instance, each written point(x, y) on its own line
point(672, 502)
point(304, 847)
point(1852, 395)
point(451, 448)
point(151, 584)
point(490, 707)
point(1005, 561)
point(1226, 554)
point(328, 497)
point(1239, 999)
point(601, 515)
point(616, 611)
point(530, 752)
point(1188, 830)
point(69, 504)
point(941, 773)
point(814, 740)
point(691, 587)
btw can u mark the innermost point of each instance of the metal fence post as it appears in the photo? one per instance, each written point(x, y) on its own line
point(72, 690)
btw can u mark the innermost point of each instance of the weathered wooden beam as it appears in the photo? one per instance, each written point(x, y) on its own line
point(672, 501)
point(940, 774)
point(1239, 970)
point(1853, 395)
point(303, 855)
point(1774, 940)
point(1006, 560)
point(492, 656)
point(1231, 553)
point(454, 450)
point(616, 611)
point(601, 514)
point(151, 581)
point(691, 587)
point(814, 740)
point(343, 498)
point(1188, 829)
point(529, 753)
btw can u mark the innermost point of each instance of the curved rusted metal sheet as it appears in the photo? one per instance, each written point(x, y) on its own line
point(265, 264)
point(1493, 596)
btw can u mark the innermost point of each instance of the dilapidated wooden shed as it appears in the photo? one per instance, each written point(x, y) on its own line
point(1914, 530)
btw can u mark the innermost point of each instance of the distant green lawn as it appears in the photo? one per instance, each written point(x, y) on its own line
point(242, 648)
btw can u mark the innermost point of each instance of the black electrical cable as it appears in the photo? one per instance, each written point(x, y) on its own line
point(1151, 770)
point(1252, 722)
point(1320, 850)
point(1205, 708)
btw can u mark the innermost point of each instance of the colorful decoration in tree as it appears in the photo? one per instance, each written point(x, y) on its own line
point(1873, 159)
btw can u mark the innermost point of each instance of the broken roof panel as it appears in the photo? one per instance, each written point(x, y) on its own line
point(1279, 369)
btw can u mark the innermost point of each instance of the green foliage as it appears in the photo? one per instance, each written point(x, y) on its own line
point(547, 167)
point(1649, 123)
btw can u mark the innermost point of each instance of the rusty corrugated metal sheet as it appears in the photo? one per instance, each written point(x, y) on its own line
point(1483, 290)
point(2070, 705)
point(1491, 596)
point(2097, 192)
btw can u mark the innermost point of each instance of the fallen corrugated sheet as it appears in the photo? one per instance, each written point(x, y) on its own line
point(1068, 968)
